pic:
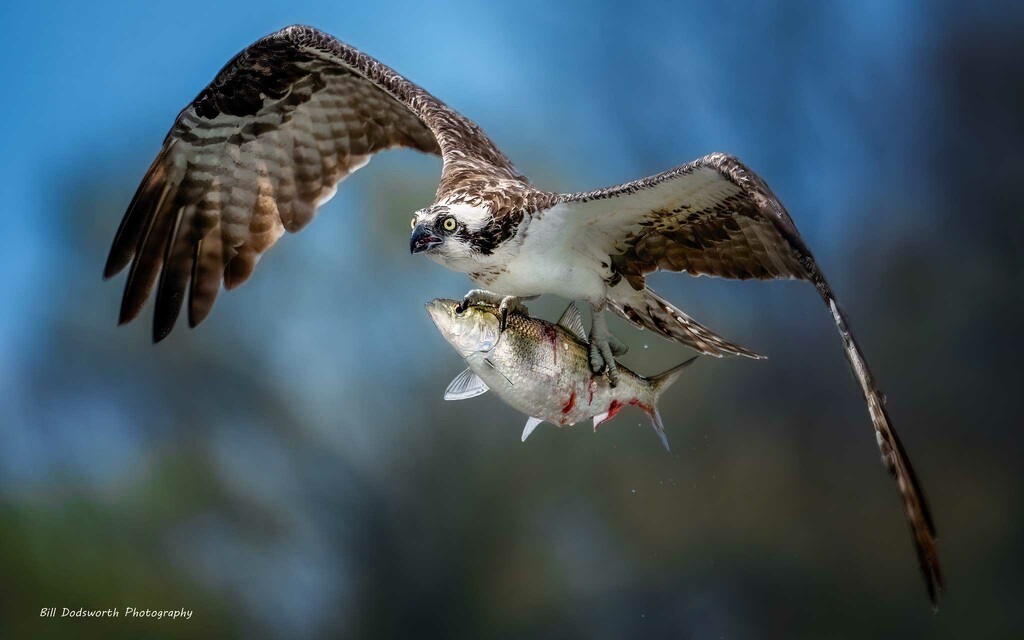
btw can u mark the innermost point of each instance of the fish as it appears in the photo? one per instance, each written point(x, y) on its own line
point(542, 369)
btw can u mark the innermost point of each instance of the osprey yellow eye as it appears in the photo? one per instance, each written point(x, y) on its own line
point(413, 224)
point(449, 224)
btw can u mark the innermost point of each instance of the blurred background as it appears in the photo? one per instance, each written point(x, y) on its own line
point(289, 469)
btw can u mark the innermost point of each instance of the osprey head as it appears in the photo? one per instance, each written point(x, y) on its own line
point(446, 232)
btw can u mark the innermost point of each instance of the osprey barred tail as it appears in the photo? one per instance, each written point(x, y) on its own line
point(267, 142)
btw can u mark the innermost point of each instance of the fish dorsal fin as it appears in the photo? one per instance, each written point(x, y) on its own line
point(465, 385)
point(531, 424)
point(572, 322)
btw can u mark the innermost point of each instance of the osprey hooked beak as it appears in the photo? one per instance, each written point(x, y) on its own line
point(422, 239)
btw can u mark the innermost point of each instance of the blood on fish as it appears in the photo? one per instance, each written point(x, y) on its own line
point(646, 408)
point(570, 403)
point(613, 408)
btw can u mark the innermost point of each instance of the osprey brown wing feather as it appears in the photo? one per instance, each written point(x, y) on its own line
point(257, 152)
point(716, 217)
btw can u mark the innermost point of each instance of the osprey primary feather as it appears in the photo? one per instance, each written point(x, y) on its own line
point(267, 142)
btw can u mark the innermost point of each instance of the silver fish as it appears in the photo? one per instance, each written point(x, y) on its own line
point(540, 368)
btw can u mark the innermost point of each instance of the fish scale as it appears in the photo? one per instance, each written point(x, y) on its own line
point(552, 374)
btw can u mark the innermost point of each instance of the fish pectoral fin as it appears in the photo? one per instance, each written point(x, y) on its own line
point(465, 385)
point(572, 322)
point(599, 418)
point(531, 424)
point(490, 364)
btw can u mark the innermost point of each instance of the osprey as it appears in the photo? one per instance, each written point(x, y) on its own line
point(287, 119)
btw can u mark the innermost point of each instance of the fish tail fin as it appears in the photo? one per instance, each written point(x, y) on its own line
point(659, 383)
point(658, 425)
point(663, 381)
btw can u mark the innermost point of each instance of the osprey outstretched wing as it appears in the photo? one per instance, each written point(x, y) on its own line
point(267, 142)
point(716, 217)
point(262, 147)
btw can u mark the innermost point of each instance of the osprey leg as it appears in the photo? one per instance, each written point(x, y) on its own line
point(479, 296)
point(505, 304)
point(619, 348)
point(601, 358)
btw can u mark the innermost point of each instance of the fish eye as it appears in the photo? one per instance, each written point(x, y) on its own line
point(413, 224)
point(449, 224)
